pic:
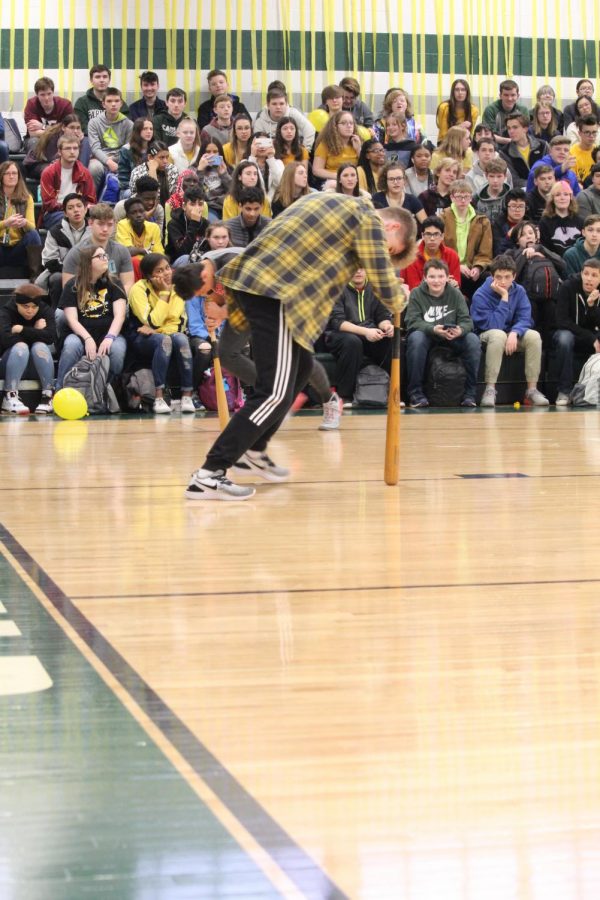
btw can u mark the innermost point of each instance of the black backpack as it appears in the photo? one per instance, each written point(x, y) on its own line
point(90, 378)
point(540, 279)
point(445, 379)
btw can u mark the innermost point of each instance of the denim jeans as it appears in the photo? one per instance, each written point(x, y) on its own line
point(564, 342)
point(16, 255)
point(14, 362)
point(157, 350)
point(73, 349)
point(418, 344)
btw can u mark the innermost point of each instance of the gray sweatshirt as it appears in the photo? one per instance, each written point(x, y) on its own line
point(106, 138)
point(264, 123)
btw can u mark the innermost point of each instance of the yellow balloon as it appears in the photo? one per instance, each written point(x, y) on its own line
point(318, 118)
point(69, 404)
point(364, 133)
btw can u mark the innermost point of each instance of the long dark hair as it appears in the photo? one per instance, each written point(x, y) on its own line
point(452, 108)
point(83, 279)
point(54, 131)
point(338, 182)
point(136, 141)
point(295, 143)
point(236, 179)
point(365, 163)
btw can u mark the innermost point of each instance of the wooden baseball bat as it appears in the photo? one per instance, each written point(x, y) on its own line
point(222, 407)
point(391, 471)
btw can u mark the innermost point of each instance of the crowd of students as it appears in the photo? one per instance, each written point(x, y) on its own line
point(507, 208)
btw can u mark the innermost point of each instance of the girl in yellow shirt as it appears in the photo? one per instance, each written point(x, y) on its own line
point(157, 332)
point(20, 244)
point(457, 110)
point(245, 175)
point(338, 142)
point(238, 148)
point(287, 142)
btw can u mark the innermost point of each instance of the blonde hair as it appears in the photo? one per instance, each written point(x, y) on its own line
point(452, 145)
point(330, 135)
point(389, 98)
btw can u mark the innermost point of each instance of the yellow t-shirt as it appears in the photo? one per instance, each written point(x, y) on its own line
point(584, 162)
point(442, 119)
point(149, 240)
point(332, 163)
point(290, 158)
point(438, 155)
point(17, 234)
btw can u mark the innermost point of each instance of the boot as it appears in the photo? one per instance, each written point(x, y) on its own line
point(34, 260)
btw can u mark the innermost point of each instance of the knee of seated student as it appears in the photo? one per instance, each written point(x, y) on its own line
point(20, 349)
point(496, 336)
point(563, 339)
point(531, 338)
point(418, 338)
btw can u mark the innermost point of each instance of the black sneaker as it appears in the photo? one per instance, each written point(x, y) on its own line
point(469, 402)
point(254, 463)
point(207, 485)
point(418, 401)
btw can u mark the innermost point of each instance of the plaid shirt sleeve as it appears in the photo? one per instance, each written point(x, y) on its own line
point(305, 258)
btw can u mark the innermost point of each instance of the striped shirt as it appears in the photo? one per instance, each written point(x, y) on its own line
point(306, 256)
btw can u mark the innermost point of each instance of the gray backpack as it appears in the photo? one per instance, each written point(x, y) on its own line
point(90, 378)
point(586, 391)
point(372, 387)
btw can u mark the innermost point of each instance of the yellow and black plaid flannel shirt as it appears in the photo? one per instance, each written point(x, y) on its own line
point(306, 257)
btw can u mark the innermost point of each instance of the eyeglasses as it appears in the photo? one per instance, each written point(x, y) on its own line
point(432, 234)
point(100, 256)
point(462, 196)
point(593, 133)
point(517, 206)
point(395, 178)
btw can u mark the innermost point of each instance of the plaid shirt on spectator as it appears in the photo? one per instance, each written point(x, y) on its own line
point(306, 257)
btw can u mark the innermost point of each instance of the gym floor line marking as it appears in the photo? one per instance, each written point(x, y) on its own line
point(231, 802)
point(339, 590)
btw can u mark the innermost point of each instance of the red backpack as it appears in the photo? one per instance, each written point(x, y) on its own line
point(207, 391)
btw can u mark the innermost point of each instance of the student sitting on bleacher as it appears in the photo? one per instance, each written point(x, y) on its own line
point(437, 316)
point(95, 308)
point(44, 109)
point(501, 313)
point(187, 226)
point(91, 104)
point(147, 190)
point(59, 240)
point(157, 330)
point(20, 244)
point(139, 236)
point(101, 230)
point(108, 133)
point(26, 332)
point(159, 166)
point(65, 176)
point(45, 150)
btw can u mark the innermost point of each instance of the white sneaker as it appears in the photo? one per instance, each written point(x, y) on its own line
point(254, 463)
point(187, 405)
point(13, 406)
point(562, 399)
point(161, 406)
point(44, 407)
point(489, 396)
point(332, 411)
point(206, 485)
point(534, 397)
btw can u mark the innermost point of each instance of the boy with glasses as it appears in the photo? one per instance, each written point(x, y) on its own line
point(432, 246)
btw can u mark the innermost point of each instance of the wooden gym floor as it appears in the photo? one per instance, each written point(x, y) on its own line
point(337, 689)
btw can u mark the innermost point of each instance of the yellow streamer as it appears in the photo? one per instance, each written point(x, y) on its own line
point(187, 62)
point(239, 47)
point(71, 48)
point(61, 51)
point(253, 45)
point(488, 27)
point(423, 66)
point(42, 32)
point(227, 38)
point(452, 37)
point(363, 32)
point(213, 35)
point(150, 58)
point(197, 28)
point(348, 29)
point(584, 15)
point(495, 46)
point(138, 40)
point(400, 30)
point(354, 27)
point(480, 52)
point(439, 26)
point(285, 35)
point(173, 33)
point(374, 31)
point(25, 48)
point(90, 40)
point(391, 54)
point(467, 31)
point(11, 56)
point(124, 38)
point(534, 48)
point(303, 100)
point(596, 41)
point(414, 43)
point(265, 78)
point(313, 54)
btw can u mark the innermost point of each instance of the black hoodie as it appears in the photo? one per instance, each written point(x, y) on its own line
point(10, 315)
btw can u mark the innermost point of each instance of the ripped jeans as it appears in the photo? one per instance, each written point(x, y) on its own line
point(157, 349)
point(14, 362)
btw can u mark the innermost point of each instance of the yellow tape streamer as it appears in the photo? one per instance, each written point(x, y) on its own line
point(414, 45)
point(495, 46)
point(72, 14)
point(570, 43)
point(584, 12)
point(124, 41)
point(439, 27)
point(488, 39)
point(173, 33)
point(374, 31)
point(265, 77)
point(480, 52)
point(213, 34)
point(557, 55)
point(89, 34)
point(509, 41)
point(11, 56)
point(596, 42)
point(363, 31)
point(467, 31)
point(534, 48)
point(391, 54)
point(354, 32)
point(137, 47)
point(304, 99)
point(313, 54)
point(423, 65)
point(452, 38)
point(61, 51)
point(346, 25)
point(253, 46)
point(325, 10)
point(239, 47)
point(100, 25)
point(25, 73)
point(197, 29)
point(111, 31)
point(150, 53)
point(228, 38)
point(400, 31)
point(187, 62)
point(285, 35)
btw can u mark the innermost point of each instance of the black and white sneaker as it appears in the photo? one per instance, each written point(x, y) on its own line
point(255, 463)
point(206, 485)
